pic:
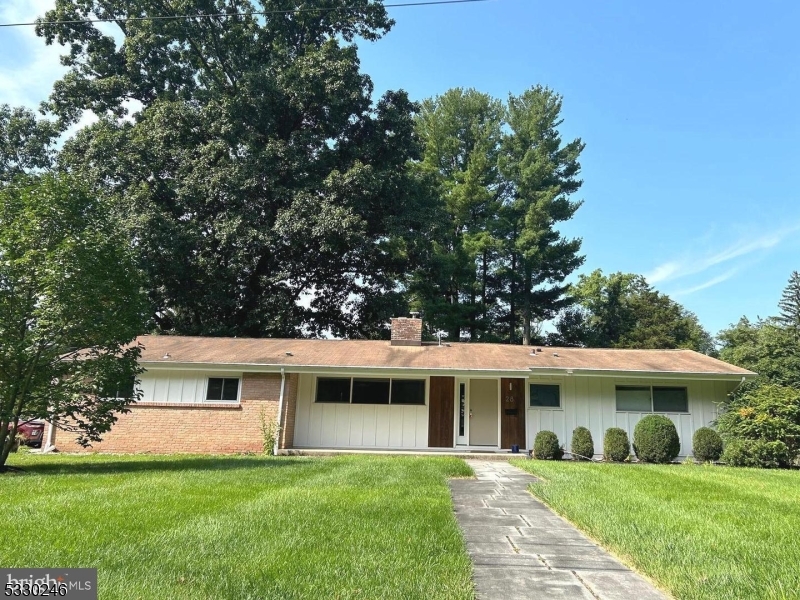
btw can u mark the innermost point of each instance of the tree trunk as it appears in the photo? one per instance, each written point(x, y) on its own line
point(472, 314)
point(526, 310)
point(511, 297)
point(455, 327)
point(6, 444)
point(483, 292)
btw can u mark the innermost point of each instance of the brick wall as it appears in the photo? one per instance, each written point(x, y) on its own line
point(200, 428)
point(406, 331)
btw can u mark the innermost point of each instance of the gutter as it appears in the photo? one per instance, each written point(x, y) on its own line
point(280, 413)
point(530, 371)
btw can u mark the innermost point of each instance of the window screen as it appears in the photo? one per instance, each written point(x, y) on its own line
point(333, 389)
point(545, 395)
point(634, 399)
point(222, 389)
point(370, 391)
point(408, 391)
point(670, 399)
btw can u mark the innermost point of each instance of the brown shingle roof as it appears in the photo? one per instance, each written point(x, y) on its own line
point(458, 357)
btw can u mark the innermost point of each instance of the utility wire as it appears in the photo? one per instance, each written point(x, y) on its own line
point(236, 14)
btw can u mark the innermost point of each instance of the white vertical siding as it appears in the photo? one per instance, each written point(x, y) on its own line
point(356, 426)
point(591, 402)
point(176, 387)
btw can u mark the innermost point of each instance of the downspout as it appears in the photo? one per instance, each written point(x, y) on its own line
point(51, 437)
point(741, 383)
point(280, 413)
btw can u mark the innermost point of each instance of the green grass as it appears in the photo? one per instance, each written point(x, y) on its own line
point(699, 531)
point(240, 527)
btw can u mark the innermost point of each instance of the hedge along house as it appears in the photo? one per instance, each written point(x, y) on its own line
point(212, 394)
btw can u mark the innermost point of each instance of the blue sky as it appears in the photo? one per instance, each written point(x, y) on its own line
point(689, 112)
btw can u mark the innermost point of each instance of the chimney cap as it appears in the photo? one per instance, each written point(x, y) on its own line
point(414, 314)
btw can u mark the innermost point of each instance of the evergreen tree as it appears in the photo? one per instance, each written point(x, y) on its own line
point(541, 174)
point(506, 179)
point(461, 133)
point(789, 306)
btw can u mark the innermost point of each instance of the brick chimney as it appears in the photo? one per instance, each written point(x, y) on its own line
point(407, 331)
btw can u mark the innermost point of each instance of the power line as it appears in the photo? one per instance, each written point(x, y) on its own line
point(236, 14)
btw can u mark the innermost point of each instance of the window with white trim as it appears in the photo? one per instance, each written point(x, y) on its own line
point(370, 390)
point(656, 398)
point(545, 395)
point(222, 389)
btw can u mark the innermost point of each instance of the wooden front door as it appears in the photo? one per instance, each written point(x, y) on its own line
point(512, 412)
point(441, 404)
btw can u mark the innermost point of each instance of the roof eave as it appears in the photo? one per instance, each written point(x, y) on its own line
point(531, 370)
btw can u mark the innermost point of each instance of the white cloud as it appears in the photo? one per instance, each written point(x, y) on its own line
point(27, 76)
point(693, 264)
point(707, 284)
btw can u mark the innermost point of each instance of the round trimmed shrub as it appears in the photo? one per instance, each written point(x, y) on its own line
point(582, 444)
point(706, 445)
point(546, 446)
point(616, 446)
point(655, 440)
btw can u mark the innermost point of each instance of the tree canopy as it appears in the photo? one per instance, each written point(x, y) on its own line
point(70, 305)
point(266, 192)
point(26, 142)
point(622, 310)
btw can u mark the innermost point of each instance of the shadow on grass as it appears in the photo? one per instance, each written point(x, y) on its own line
point(90, 466)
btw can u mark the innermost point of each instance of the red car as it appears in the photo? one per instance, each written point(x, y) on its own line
point(32, 432)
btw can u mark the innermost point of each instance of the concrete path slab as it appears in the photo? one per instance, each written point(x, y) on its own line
point(521, 549)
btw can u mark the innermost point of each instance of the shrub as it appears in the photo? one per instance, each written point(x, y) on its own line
point(582, 443)
point(546, 446)
point(756, 453)
point(754, 422)
point(706, 445)
point(269, 433)
point(616, 446)
point(655, 439)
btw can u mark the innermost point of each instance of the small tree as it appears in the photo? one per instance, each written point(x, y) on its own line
point(582, 444)
point(655, 439)
point(616, 446)
point(69, 307)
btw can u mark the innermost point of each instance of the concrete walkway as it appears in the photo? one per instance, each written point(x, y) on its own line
point(521, 549)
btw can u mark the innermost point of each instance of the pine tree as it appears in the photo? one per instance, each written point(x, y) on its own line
point(789, 306)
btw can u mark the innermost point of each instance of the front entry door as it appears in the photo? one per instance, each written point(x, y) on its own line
point(512, 412)
point(483, 412)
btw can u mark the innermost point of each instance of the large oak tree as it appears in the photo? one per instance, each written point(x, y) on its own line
point(265, 191)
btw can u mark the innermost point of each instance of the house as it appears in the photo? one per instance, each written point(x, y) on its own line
point(207, 395)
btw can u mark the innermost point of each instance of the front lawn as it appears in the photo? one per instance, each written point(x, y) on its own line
point(699, 531)
point(240, 527)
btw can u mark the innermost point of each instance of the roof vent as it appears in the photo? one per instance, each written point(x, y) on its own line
point(166, 356)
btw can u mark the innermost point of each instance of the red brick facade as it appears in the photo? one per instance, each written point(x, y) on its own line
point(201, 428)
